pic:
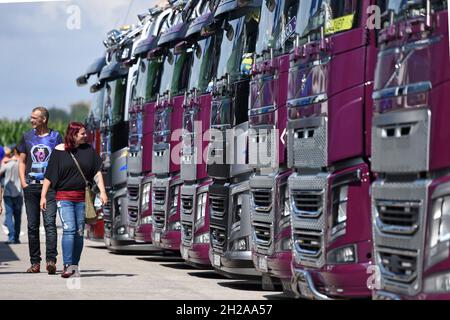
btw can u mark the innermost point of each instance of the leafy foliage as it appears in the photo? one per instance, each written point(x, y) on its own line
point(11, 131)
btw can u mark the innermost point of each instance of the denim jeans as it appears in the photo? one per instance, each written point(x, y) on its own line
point(32, 195)
point(72, 218)
point(13, 217)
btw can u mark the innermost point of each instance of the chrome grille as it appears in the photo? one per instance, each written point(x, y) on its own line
point(263, 234)
point(107, 211)
point(218, 238)
point(159, 219)
point(218, 205)
point(307, 203)
point(398, 217)
point(399, 265)
point(307, 242)
point(133, 215)
point(187, 232)
point(133, 192)
point(187, 204)
point(262, 200)
point(160, 196)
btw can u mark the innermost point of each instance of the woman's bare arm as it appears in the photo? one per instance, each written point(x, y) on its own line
point(44, 191)
point(101, 185)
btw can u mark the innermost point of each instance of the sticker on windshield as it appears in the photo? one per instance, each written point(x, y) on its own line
point(287, 32)
point(340, 24)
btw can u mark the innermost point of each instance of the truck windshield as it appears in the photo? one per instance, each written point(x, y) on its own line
point(115, 100)
point(162, 125)
point(334, 15)
point(97, 104)
point(403, 9)
point(409, 63)
point(202, 71)
point(277, 24)
point(167, 71)
point(189, 117)
point(238, 38)
point(262, 92)
point(221, 113)
point(181, 73)
point(135, 129)
point(148, 80)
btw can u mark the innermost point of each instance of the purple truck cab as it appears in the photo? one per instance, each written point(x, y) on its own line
point(411, 197)
point(143, 93)
point(166, 233)
point(195, 244)
point(329, 109)
point(270, 210)
point(230, 222)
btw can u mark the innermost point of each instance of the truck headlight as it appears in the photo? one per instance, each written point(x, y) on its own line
point(145, 200)
point(174, 200)
point(201, 206)
point(146, 220)
point(342, 255)
point(438, 283)
point(286, 209)
point(286, 244)
point(439, 232)
point(239, 245)
point(203, 238)
point(175, 226)
point(121, 230)
point(440, 225)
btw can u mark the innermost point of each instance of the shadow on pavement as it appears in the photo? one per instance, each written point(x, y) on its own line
point(97, 247)
point(279, 296)
point(182, 266)
point(107, 275)
point(161, 259)
point(242, 285)
point(207, 275)
point(6, 253)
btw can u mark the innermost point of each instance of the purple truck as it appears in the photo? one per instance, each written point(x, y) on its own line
point(195, 240)
point(411, 197)
point(270, 209)
point(146, 84)
point(168, 116)
point(329, 148)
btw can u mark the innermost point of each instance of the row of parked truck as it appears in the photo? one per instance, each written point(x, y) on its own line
point(301, 141)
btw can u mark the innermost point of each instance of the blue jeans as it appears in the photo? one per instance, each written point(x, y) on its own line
point(72, 218)
point(13, 217)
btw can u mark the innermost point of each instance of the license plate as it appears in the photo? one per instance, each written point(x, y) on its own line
point(131, 233)
point(304, 290)
point(184, 253)
point(262, 264)
point(216, 260)
point(157, 237)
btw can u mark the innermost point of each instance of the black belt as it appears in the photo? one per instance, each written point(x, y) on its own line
point(31, 182)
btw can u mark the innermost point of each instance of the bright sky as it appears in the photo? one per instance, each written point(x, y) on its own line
point(40, 56)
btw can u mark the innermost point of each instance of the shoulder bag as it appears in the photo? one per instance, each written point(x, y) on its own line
point(90, 214)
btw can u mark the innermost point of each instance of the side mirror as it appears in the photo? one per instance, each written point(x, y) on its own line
point(181, 47)
point(96, 87)
point(154, 53)
point(81, 81)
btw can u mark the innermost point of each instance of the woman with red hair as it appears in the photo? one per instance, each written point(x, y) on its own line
point(63, 174)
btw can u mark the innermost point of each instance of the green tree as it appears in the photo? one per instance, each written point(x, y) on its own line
point(58, 115)
point(79, 111)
